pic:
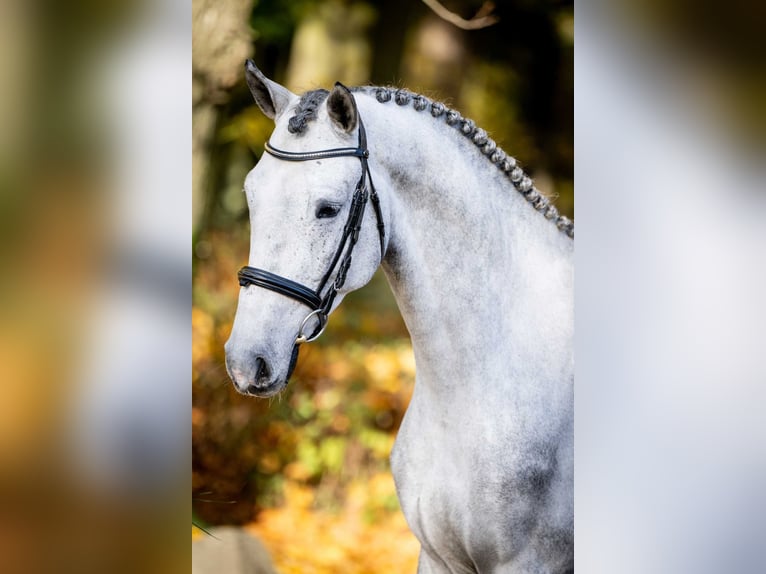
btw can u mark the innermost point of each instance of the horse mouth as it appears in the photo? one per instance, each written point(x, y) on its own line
point(258, 379)
point(264, 391)
point(255, 380)
point(276, 386)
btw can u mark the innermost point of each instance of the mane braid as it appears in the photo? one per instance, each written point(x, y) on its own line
point(507, 164)
point(306, 111)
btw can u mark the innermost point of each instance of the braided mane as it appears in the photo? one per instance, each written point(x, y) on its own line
point(305, 111)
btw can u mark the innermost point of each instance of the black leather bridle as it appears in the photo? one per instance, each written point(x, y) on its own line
point(319, 304)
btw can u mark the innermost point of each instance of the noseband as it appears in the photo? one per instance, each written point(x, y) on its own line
point(319, 304)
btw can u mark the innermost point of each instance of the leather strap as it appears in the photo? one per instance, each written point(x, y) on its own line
point(267, 280)
point(309, 155)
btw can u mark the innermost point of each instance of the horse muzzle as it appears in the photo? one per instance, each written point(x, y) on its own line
point(254, 374)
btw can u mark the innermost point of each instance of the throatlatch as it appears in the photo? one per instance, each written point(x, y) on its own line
point(320, 305)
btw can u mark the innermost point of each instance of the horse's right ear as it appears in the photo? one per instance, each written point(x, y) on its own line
point(272, 98)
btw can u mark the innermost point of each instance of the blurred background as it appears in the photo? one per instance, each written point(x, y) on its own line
point(308, 471)
point(670, 439)
point(95, 216)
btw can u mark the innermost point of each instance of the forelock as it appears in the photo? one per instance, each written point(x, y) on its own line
point(306, 111)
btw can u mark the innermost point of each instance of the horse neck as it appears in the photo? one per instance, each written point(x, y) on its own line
point(470, 262)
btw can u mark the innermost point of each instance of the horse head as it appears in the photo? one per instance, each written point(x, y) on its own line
point(307, 199)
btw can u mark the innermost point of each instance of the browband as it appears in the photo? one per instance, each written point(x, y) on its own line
point(309, 155)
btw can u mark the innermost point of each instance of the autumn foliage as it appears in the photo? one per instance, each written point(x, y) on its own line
point(307, 471)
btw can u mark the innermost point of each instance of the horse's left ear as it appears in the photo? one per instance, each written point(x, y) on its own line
point(341, 108)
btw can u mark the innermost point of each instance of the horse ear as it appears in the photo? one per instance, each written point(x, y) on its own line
point(271, 97)
point(341, 108)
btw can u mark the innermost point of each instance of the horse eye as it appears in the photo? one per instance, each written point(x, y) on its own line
point(327, 210)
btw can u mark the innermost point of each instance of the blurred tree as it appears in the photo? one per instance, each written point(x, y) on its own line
point(331, 44)
point(221, 40)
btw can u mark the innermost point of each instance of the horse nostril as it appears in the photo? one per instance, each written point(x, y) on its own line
point(260, 369)
point(261, 374)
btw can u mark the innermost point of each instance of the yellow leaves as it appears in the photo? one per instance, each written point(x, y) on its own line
point(328, 399)
point(269, 463)
point(249, 127)
point(298, 496)
point(376, 497)
point(387, 367)
point(202, 337)
point(367, 537)
point(332, 451)
point(406, 360)
point(339, 370)
point(198, 417)
point(297, 471)
point(340, 423)
point(326, 455)
point(304, 406)
point(380, 443)
point(312, 464)
point(381, 369)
